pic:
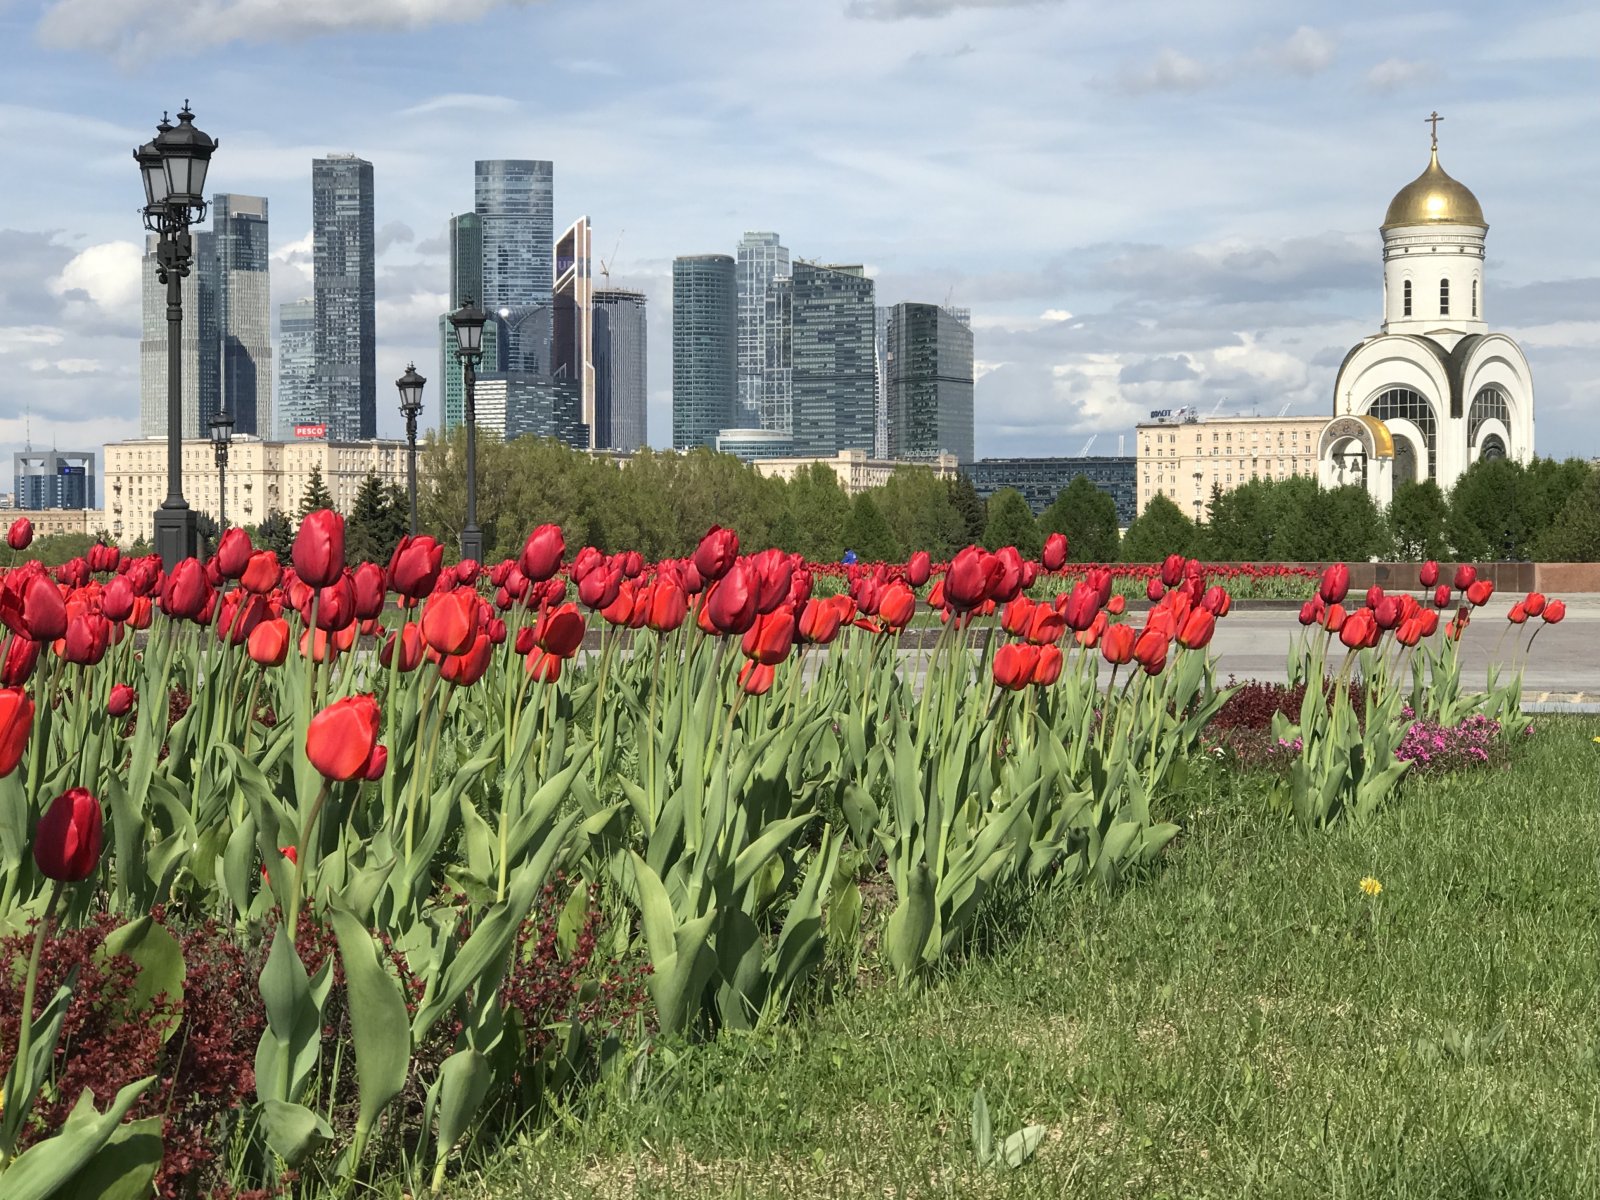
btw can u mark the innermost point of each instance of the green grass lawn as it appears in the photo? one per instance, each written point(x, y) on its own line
point(1243, 1022)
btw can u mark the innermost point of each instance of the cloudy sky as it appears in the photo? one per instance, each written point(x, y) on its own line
point(1145, 204)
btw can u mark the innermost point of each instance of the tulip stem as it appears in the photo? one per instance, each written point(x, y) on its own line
point(651, 733)
point(25, 1025)
point(302, 848)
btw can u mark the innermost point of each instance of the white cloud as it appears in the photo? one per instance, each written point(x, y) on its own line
point(1170, 71)
point(1307, 51)
point(133, 28)
point(898, 10)
point(108, 274)
point(1393, 74)
point(1055, 314)
point(461, 102)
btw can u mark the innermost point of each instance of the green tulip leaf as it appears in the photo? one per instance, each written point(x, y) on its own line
point(159, 958)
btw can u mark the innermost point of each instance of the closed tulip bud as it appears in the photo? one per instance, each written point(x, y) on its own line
point(67, 843)
point(667, 606)
point(16, 724)
point(715, 554)
point(768, 640)
point(187, 592)
point(897, 606)
point(966, 583)
point(1117, 605)
point(497, 632)
point(120, 703)
point(1216, 601)
point(1081, 606)
point(820, 620)
point(1333, 618)
point(319, 548)
point(262, 573)
point(449, 621)
point(335, 605)
point(116, 602)
point(1518, 614)
point(1197, 630)
point(1534, 604)
point(1357, 628)
point(1442, 595)
point(371, 590)
point(233, 553)
point(1116, 644)
point(1554, 612)
point(598, 589)
point(1014, 616)
point(85, 641)
point(1387, 612)
point(466, 668)
point(408, 642)
point(1154, 590)
point(542, 666)
point(268, 643)
point(414, 567)
point(1014, 664)
point(466, 572)
point(1428, 576)
point(1374, 594)
point(20, 535)
point(22, 655)
point(377, 764)
point(1335, 583)
point(1090, 638)
point(1430, 621)
point(918, 569)
point(1311, 611)
point(561, 631)
point(342, 738)
point(1409, 631)
point(1006, 582)
point(1048, 669)
point(1466, 576)
point(1172, 568)
point(1054, 556)
point(1479, 591)
point(588, 559)
point(619, 611)
point(755, 678)
point(542, 553)
point(1150, 651)
point(730, 605)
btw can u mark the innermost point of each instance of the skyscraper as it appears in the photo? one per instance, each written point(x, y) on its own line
point(929, 367)
point(620, 381)
point(343, 268)
point(197, 338)
point(239, 281)
point(298, 403)
point(572, 319)
point(705, 300)
point(880, 348)
point(515, 200)
point(466, 283)
point(777, 381)
point(761, 259)
point(831, 331)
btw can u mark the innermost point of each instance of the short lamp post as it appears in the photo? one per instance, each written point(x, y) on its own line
point(469, 321)
point(410, 385)
point(221, 439)
point(173, 167)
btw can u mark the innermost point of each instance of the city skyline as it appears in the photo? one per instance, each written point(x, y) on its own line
point(1139, 220)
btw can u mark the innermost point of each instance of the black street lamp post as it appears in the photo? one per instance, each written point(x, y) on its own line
point(173, 167)
point(221, 439)
point(410, 385)
point(469, 320)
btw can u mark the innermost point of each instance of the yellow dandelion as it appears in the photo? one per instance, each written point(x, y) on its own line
point(1597, 739)
point(1371, 886)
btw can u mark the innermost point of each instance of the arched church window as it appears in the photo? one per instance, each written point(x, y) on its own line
point(1405, 299)
point(1493, 448)
point(1474, 297)
point(1487, 405)
point(1406, 405)
point(1444, 297)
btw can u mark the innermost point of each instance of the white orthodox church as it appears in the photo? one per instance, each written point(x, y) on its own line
point(1435, 390)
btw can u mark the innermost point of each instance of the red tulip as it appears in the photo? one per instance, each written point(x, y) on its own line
point(1428, 576)
point(715, 554)
point(1430, 621)
point(1534, 604)
point(1359, 630)
point(20, 535)
point(1116, 644)
point(1410, 631)
point(88, 634)
point(620, 610)
point(768, 640)
point(1441, 596)
point(561, 631)
point(16, 724)
point(1150, 651)
point(233, 553)
point(666, 606)
point(918, 569)
point(1172, 568)
point(1311, 611)
point(371, 590)
point(22, 655)
point(1466, 576)
point(1335, 583)
point(466, 668)
point(968, 580)
point(1374, 594)
point(1554, 612)
point(1197, 630)
point(542, 553)
point(336, 604)
point(449, 620)
point(187, 591)
point(414, 566)
point(1055, 552)
point(774, 570)
point(897, 606)
point(730, 605)
point(820, 619)
point(1081, 606)
point(408, 639)
point(67, 843)
point(1014, 664)
point(120, 703)
point(543, 666)
point(342, 739)
point(1479, 591)
point(116, 601)
point(268, 643)
point(1048, 669)
point(262, 573)
point(1518, 614)
point(1216, 601)
point(319, 548)
point(1007, 574)
point(1117, 605)
point(1387, 612)
point(1090, 638)
point(1333, 618)
point(755, 678)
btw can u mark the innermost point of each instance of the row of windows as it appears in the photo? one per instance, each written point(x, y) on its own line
point(1444, 298)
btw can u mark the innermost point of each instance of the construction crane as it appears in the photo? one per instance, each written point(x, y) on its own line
point(1084, 453)
point(605, 263)
point(1282, 411)
point(1216, 408)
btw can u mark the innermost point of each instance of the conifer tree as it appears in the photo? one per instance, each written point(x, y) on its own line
point(317, 493)
point(1011, 523)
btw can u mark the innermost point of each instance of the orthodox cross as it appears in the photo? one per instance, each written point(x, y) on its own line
point(1433, 119)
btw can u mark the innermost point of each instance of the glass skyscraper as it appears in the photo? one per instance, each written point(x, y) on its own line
point(831, 353)
point(777, 395)
point(620, 373)
point(761, 259)
point(572, 317)
point(705, 301)
point(515, 200)
point(197, 338)
point(466, 283)
point(239, 280)
point(929, 366)
point(343, 269)
point(298, 402)
point(53, 479)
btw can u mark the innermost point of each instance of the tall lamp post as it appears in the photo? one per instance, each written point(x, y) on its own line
point(173, 167)
point(221, 439)
point(469, 320)
point(410, 385)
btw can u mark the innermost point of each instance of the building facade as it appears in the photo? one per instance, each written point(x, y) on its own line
point(777, 385)
point(1041, 480)
point(263, 477)
point(572, 318)
point(514, 199)
point(238, 266)
point(344, 251)
point(705, 300)
point(466, 283)
point(297, 366)
point(517, 404)
point(928, 359)
point(834, 379)
point(748, 445)
point(761, 257)
point(197, 381)
point(857, 471)
point(621, 378)
point(50, 479)
point(1184, 460)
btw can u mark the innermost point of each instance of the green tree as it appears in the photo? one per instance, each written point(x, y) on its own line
point(1353, 527)
point(275, 533)
point(917, 505)
point(317, 493)
point(1493, 510)
point(1574, 536)
point(1011, 523)
point(1161, 529)
point(1417, 516)
point(969, 507)
point(375, 524)
point(814, 514)
point(868, 534)
point(1088, 516)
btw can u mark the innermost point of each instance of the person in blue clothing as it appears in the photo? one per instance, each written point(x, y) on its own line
point(849, 558)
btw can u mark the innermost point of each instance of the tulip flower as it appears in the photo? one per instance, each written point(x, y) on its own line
point(1479, 591)
point(967, 582)
point(1430, 621)
point(1048, 669)
point(1217, 601)
point(820, 619)
point(233, 553)
point(561, 631)
point(268, 643)
point(371, 590)
point(1554, 612)
point(1387, 612)
point(466, 668)
point(262, 573)
point(1518, 614)
point(1197, 630)
point(1466, 576)
point(22, 655)
point(543, 666)
point(120, 703)
point(1054, 556)
point(755, 678)
point(542, 553)
point(1150, 651)
point(335, 605)
point(918, 569)
point(768, 640)
point(1045, 626)
point(1534, 604)
point(1333, 618)
point(897, 606)
point(16, 724)
point(1014, 616)
point(319, 548)
point(288, 852)
point(620, 610)
point(1009, 575)
point(20, 535)
point(342, 739)
point(186, 592)
point(410, 644)
point(1428, 576)
point(1117, 605)
point(31, 604)
point(67, 843)
point(666, 606)
point(414, 566)
point(449, 620)
point(1335, 583)
point(1360, 629)
point(774, 570)
point(1171, 573)
point(1116, 644)
point(1411, 630)
point(1081, 606)
point(715, 554)
point(1014, 664)
point(730, 605)
point(1090, 638)
point(1311, 611)
point(1374, 594)
point(85, 641)
point(1442, 596)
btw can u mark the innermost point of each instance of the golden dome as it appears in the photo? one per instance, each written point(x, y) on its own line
point(1433, 198)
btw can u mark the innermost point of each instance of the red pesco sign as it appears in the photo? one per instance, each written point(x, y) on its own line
point(311, 431)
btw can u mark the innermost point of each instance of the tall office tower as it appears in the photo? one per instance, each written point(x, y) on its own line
point(572, 318)
point(197, 339)
point(298, 403)
point(343, 253)
point(466, 283)
point(831, 331)
point(515, 200)
point(880, 350)
point(930, 383)
point(239, 280)
point(761, 259)
point(620, 374)
point(53, 479)
point(705, 348)
point(777, 379)
point(453, 393)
